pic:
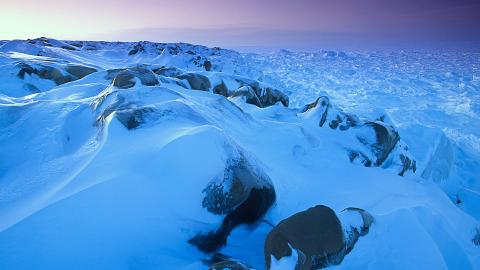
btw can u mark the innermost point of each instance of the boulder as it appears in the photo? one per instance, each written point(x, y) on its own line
point(378, 140)
point(386, 137)
point(334, 117)
point(207, 65)
point(79, 71)
point(125, 78)
point(221, 89)
point(260, 96)
point(249, 94)
point(74, 72)
point(242, 194)
point(222, 262)
point(134, 117)
point(317, 235)
point(53, 74)
point(196, 81)
point(168, 71)
point(138, 47)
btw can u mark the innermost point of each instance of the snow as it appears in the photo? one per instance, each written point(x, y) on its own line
point(77, 192)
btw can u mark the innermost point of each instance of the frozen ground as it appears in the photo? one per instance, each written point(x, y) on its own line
point(432, 97)
point(102, 173)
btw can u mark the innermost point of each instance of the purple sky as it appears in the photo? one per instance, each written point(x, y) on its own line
point(269, 23)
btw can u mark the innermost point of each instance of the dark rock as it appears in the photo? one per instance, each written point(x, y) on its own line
point(24, 69)
point(272, 96)
point(249, 94)
point(355, 156)
point(322, 102)
point(45, 72)
point(317, 236)
point(259, 96)
point(168, 71)
point(133, 118)
point(315, 233)
point(53, 74)
point(338, 119)
point(136, 49)
point(124, 79)
point(221, 89)
point(386, 139)
point(79, 71)
point(222, 262)
point(31, 88)
point(207, 65)
point(408, 164)
point(243, 194)
point(70, 48)
point(196, 81)
point(476, 238)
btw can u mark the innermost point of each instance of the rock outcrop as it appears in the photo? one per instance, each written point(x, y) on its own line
point(72, 72)
point(379, 137)
point(242, 193)
point(196, 81)
point(317, 235)
point(125, 78)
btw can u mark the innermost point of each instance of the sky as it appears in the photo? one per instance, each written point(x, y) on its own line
point(249, 23)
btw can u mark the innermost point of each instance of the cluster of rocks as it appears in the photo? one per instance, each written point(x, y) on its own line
point(379, 137)
point(243, 194)
point(125, 78)
point(71, 72)
point(254, 92)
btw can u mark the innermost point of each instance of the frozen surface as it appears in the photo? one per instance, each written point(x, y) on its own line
point(433, 97)
point(79, 190)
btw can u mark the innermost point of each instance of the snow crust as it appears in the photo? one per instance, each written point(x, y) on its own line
point(77, 192)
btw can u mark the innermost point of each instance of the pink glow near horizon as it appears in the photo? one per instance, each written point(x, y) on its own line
point(89, 18)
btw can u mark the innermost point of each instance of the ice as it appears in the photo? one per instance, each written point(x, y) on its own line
point(79, 189)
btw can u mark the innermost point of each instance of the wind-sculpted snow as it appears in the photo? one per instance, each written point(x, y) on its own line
point(157, 160)
point(432, 97)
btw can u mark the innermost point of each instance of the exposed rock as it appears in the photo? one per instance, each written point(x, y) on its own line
point(75, 72)
point(408, 164)
point(136, 49)
point(272, 96)
point(476, 238)
point(125, 78)
point(221, 89)
point(222, 262)
point(196, 81)
point(168, 71)
point(79, 71)
point(317, 235)
point(133, 118)
point(242, 193)
point(357, 156)
point(249, 94)
point(260, 96)
point(386, 139)
point(336, 118)
point(207, 65)
point(380, 138)
point(53, 74)
point(31, 88)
